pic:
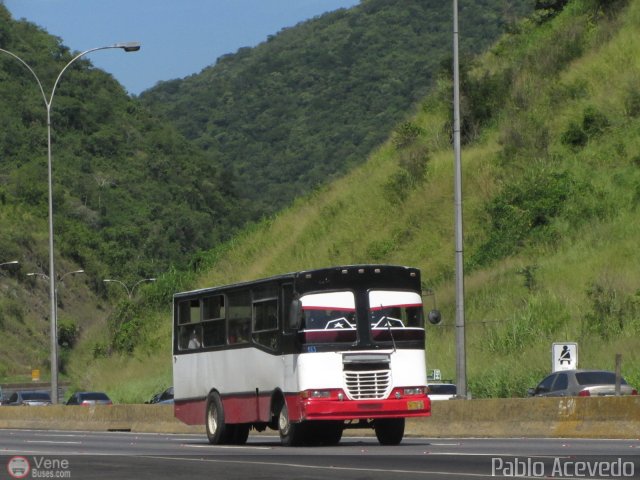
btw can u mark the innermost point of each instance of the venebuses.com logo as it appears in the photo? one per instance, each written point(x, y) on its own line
point(39, 467)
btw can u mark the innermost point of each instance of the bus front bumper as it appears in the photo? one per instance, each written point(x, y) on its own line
point(330, 409)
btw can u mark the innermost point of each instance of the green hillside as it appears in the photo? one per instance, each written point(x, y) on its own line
point(551, 177)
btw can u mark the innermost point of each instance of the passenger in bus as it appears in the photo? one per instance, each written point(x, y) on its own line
point(238, 332)
point(194, 341)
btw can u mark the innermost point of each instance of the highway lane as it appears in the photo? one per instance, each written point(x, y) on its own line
point(107, 455)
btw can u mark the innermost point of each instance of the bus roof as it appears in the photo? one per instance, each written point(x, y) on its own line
point(346, 273)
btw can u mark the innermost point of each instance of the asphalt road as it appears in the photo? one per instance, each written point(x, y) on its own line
point(120, 455)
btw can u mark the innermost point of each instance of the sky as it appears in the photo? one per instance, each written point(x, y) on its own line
point(178, 37)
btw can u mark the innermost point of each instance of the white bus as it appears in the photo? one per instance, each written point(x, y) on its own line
point(307, 353)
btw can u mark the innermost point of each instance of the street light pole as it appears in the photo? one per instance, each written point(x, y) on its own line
point(54, 393)
point(124, 285)
point(127, 47)
point(461, 357)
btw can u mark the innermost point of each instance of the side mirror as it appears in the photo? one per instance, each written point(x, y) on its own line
point(434, 317)
point(531, 392)
point(295, 314)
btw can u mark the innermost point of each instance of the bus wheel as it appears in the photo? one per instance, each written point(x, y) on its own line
point(291, 434)
point(389, 431)
point(328, 432)
point(240, 433)
point(217, 430)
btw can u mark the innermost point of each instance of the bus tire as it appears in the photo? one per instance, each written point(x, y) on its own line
point(291, 434)
point(218, 432)
point(389, 431)
point(240, 433)
point(329, 432)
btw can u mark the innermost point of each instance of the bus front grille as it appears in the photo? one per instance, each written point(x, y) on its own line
point(365, 385)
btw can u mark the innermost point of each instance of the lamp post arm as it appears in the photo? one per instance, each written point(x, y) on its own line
point(124, 285)
point(64, 69)
point(44, 97)
point(139, 282)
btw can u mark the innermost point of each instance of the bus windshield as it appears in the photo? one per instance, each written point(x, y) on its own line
point(395, 315)
point(328, 317)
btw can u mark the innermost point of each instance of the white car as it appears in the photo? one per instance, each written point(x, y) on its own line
point(441, 391)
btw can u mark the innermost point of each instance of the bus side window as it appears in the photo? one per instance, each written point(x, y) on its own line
point(214, 333)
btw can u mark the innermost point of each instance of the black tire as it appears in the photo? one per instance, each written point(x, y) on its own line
point(328, 432)
point(218, 432)
point(389, 431)
point(240, 433)
point(291, 434)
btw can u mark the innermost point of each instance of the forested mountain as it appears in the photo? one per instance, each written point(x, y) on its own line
point(131, 195)
point(312, 101)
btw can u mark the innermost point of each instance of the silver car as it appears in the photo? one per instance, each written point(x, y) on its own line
point(581, 383)
point(30, 398)
point(89, 398)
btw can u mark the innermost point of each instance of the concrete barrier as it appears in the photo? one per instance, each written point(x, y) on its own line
point(135, 418)
point(603, 417)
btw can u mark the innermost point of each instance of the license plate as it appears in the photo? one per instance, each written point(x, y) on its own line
point(415, 405)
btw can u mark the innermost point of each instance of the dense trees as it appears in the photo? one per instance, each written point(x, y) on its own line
point(131, 195)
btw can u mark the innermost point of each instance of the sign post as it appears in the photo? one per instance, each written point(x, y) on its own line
point(564, 356)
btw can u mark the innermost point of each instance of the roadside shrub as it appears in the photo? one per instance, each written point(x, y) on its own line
point(405, 134)
point(397, 188)
point(574, 136)
point(481, 99)
point(528, 272)
point(414, 161)
point(125, 327)
point(100, 350)
point(523, 212)
point(594, 122)
point(612, 312)
point(378, 250)
point(67, 333)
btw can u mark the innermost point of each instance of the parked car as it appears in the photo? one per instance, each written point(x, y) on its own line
point(580, 383)
point(89, 398)
point(29, 398)
point(441, 391)
point(163, 397)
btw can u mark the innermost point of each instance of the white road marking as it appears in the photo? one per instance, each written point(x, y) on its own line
point(55, 442)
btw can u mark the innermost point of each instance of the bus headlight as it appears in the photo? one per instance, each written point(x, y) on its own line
point(321, 394)
point(413, 391)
